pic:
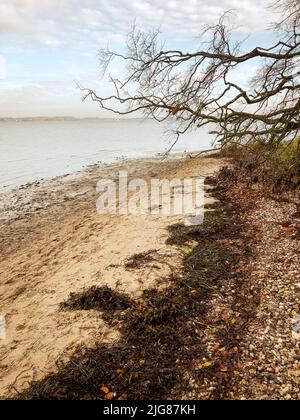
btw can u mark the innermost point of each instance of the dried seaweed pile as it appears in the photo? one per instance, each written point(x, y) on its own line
point(163, 334)
point(98, 298)
point(141, 259)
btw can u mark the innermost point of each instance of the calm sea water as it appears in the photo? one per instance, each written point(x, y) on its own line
point(32, 150)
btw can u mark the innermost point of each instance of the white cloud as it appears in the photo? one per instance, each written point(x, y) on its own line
point(106, 19)
point(172, 15)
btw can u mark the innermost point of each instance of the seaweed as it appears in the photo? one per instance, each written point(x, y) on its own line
point(98, 298)
point(163, 333)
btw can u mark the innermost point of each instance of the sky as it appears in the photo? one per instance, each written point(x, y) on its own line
point(46, 46)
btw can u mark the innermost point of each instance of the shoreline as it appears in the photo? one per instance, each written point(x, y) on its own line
point(6, 189)
point(9, 195)
point(12, 198)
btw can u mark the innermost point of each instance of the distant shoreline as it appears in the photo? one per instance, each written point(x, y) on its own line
point(69, 118)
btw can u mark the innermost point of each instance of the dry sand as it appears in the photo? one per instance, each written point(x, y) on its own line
point(53, 242)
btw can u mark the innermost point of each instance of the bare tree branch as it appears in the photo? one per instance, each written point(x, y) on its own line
point(199, 88)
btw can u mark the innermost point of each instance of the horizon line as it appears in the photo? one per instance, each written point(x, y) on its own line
point(68, 117)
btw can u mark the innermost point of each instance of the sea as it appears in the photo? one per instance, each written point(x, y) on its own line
point(37, 149)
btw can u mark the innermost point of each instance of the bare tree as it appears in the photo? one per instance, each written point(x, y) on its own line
point(199, 88)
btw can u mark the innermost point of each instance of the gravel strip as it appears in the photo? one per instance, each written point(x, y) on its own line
point(253, 345)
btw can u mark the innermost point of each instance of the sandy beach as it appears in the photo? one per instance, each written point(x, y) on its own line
point(53, 243)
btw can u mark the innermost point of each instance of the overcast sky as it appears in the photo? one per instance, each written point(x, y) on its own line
point(45, 45)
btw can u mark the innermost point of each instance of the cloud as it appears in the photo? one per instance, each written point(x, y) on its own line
point(106, 19)
point(15, 14)
point(56, 41)
point(177, 18)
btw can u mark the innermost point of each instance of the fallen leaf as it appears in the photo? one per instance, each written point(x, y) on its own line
point(104, 389)
point(288, 229)
point(224, 369)
point(187, 251)
point(207, 364)
point(109, 396)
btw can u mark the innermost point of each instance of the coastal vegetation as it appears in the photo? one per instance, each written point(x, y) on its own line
point(277, 168)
